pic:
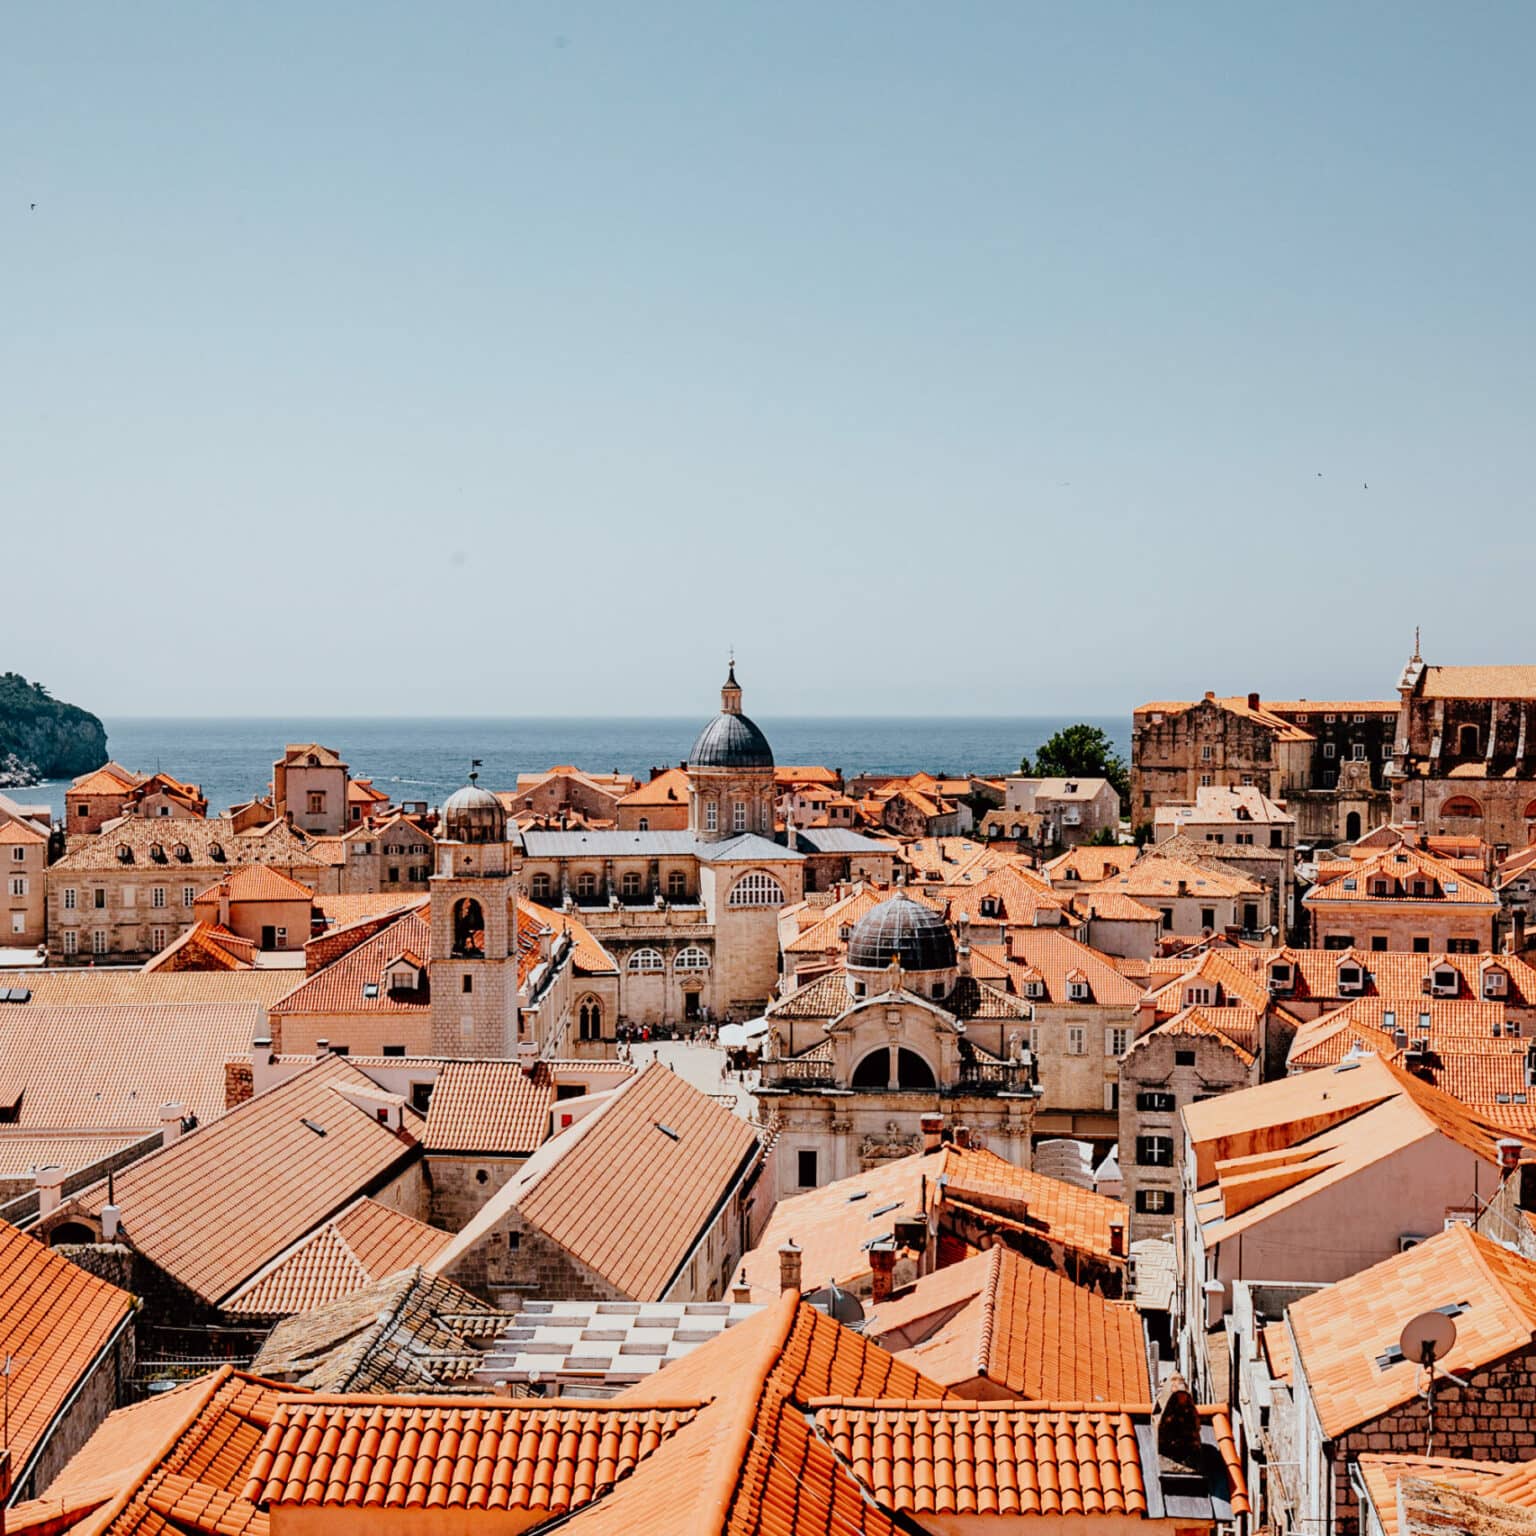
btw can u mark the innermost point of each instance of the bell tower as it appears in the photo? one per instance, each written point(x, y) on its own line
point(474, 930)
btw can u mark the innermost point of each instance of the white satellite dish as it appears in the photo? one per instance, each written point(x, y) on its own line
point(1427, 1338)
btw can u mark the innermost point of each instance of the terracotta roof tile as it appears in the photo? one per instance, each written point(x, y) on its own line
point(219, 1204)
point(1400, 868)
point(81, 986)
point(497, 1107)
point(55, 1319)
point(344, 985)
point(256, 882)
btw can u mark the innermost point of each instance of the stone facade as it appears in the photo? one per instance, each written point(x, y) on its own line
point(309, 788)
point(24, 869)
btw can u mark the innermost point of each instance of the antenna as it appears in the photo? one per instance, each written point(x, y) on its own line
point(1425, 1339)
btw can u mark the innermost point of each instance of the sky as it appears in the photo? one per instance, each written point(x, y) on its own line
point(968, 359)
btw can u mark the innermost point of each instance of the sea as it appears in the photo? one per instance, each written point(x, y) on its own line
point(428, 758)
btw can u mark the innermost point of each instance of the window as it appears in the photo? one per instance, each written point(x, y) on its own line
point(69, 898)
point(467, 984)
point(18, 885)
point(82, 810)
point(590, 1019)
point(1205, 754)
point(540, 887)
point(756, 890)
point(71, 941)
point(1378, 941)
point(1329, 749)
point(1154, 1151)
point(644, 824)
point(1167, 919)
point(1421, 946)
point(586, 886)
point(647, 960)
point(629, 884)
point(677, 885)
point(1156, 1101)
point(1205, 781)
point(1207, 917)
point(1339, 941)
point(691, 959)
point(738, 816)
point(1461, 946)
point(317, 802)
point(393, 1050)
point(99, 898)
point(1111, 1095)
point(157, 939)
point(157, 896)
point(1276, 839)
point(98, 941)
point(188, 895)
point(1248, 779)
point(1077, 1040)
point(1183, 1058)
point(393, 875)
point(1116, 1042)
point(18, 854)
point(805, 1165)
point(1154, 1202)
point(1357, 751)
point(711, 816)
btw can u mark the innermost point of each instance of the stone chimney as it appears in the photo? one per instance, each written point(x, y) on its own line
point(170, 1123)
point(1117, 1236)
point(933, 1131)
point(741, 1292)
point(1176, 1427)
point(1510, 1148)
point(882, 1267)
point(50, 1188)
point(962, 1136)
point(1253, 701)
point(789, 1266)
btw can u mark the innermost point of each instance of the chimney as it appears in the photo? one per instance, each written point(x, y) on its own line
point(882, 1266)
point(1510, 1148)
point(1215, 1302)
point(1253, 701)
point(111, 1223)
point(933, 1131)
point(911, 1231)
point(50, 1188)
point(1117, 1236)
point(962, 1136)
point(1176, 1427)
point(789, 1266)
point(741, 1292)
point(322, 1048)
point(1210, 693)
point(1517, 931)
point(170, 1123)
point(1183, 888)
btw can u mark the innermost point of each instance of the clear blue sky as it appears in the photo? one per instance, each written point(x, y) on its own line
point(994, 358)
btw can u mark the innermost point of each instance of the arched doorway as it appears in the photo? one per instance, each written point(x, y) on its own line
point(1352, 827)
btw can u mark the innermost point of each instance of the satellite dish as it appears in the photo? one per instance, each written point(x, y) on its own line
point(1427, 1338)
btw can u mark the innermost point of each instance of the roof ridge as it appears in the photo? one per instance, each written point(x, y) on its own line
point(988, 1300)
point(1476, 1242)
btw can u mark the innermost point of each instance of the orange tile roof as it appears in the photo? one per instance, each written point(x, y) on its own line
point(81, 986)
point(499, 1107)
point(1113, 907)
point(21, 833)
point(546, 1459)
point(341, 987)
point(1053, 953)
point(1445, 882)
point(1501, 682)
point(256, 882)
point(621, 1195)
point(55, 1321)
point(1237, 1027)
point(1091, 863)
point(1026, 1329)
point(1009, 1459)
point(204, 946)
point(104, 781)
point(669, 788)
point(1383, 1470)
point(215, 1206)
point(97, 1066)
point(590, 958)
point(366, 1242)
point(1155, 878)
point(1341, 1331)
point(833, 1225)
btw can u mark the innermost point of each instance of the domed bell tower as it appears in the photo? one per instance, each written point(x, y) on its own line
point(730, 773)
point(474, 931)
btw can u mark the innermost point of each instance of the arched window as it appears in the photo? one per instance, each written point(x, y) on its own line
point(756, 890)
point(1461, 805)
point(647, 960)
point(541, 887)
point(1466, 740)
point(468, 929)
point(590, 1019)
point(644, 824)
point(912, 1072)
point(691, 959)
point(586, 885)
point(629, 884)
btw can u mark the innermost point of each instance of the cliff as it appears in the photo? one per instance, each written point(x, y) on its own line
point(41, 738)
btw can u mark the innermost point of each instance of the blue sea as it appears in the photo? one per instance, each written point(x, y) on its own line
point(427, 759)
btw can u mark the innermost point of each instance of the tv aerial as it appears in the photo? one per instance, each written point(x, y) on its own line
point(1424, 1340)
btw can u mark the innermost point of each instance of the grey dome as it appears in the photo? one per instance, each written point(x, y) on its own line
point(731, 741)
point(912, 932)
point(474, 815)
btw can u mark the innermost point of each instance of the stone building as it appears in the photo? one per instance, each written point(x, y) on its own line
point(1403, 899)
point(122, 896)
point(857, 1058)
point(1326, 759)
point(24, 868)
point(309, 788)
point(1465, 754)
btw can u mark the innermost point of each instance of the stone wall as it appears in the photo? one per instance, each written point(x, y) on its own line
point(460, 1186)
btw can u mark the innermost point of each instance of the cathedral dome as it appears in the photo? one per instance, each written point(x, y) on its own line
point(731, 740)
point(474, 815)
point(907, 930)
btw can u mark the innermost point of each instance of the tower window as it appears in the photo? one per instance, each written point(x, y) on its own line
point(756, 890)
point(467, 984)
point(468, 929)
point(738, 816)
point(711, 816)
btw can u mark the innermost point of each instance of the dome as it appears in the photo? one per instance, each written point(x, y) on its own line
point(912, 932)
point(731, 741)
point(474, 815)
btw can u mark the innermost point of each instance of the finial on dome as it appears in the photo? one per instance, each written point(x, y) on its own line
point(730, 694)
point(474, 769)
point(1416, 655)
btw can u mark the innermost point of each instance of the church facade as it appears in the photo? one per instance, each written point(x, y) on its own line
point(690, 917)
